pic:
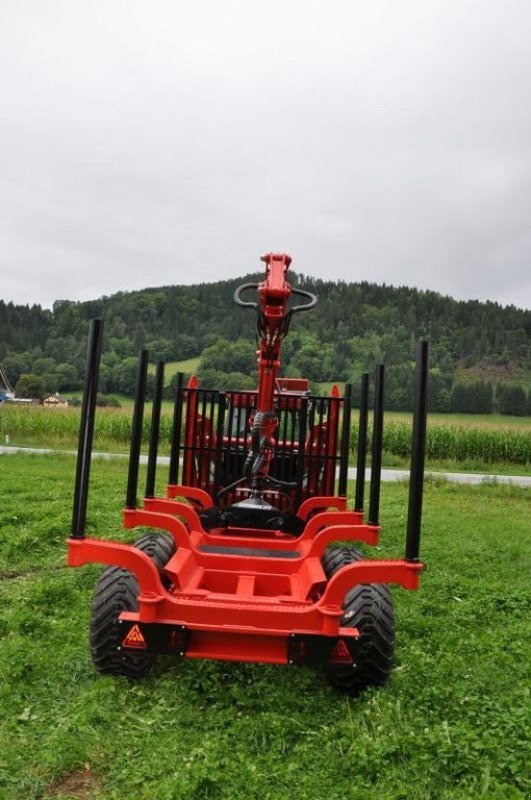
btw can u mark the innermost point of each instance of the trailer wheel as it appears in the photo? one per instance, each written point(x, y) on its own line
point(159, 547)
point(336, 557)
point(369, 608)
point(117, 591)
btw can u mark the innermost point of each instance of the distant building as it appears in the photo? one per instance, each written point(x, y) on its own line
point(54, 401)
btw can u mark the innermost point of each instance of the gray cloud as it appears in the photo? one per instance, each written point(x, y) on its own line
point(147, 144)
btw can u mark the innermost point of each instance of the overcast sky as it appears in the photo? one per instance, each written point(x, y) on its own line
point(152, 143)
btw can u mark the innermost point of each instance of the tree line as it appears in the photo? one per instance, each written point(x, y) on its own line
point(354, 327)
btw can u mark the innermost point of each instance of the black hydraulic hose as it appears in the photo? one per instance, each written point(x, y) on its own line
point(259, 444)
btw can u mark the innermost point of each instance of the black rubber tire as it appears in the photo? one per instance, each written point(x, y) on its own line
point(117, 591)
point(336, 557)
point(158, 546)
point(368, 607)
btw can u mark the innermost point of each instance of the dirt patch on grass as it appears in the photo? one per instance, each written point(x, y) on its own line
point(80, 784)
point(23, 573)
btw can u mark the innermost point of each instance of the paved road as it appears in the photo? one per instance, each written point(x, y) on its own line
point(387, 474)
point(454, 477)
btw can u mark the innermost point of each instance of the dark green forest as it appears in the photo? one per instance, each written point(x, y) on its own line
point(480, 351)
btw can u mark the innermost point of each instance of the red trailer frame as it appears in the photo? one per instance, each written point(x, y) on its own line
point(231, 590)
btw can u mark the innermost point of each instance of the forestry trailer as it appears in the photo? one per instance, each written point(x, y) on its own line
point(239, 559)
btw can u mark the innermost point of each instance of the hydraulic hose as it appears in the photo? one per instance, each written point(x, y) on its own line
point(260, 443)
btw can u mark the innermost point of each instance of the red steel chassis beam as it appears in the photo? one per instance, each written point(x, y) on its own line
point(239, 626)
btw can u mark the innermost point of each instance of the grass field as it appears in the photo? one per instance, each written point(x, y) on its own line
point(453, 723)
point(188, 366)
point(125, 401)
point(466, 420)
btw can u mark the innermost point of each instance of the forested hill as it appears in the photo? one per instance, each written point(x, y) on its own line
point(354, 326)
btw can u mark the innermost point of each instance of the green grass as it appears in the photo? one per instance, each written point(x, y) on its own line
point(453, 723)
point(452, 465)
point(125, 401)
point(466, 420)
point(188, 367)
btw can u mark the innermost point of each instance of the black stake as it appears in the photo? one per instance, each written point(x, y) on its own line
point(175, 452)
point(154, 433)
point(362, 443)
point(418, 447)
point(86, 429)
point(219, 442)
point(377, 442)
point(345, 442)
point(136, 434)
point(303, 423)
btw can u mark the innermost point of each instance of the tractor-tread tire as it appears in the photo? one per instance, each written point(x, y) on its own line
point(117, 591)
point(336, 557)
point(369, 608)
point(158, 546)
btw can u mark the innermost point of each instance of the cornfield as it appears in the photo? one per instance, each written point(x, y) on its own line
point(444, 442)
point(56, 425)
point(458, 443)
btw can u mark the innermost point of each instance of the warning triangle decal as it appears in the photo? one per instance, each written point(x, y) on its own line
point(341, 654)
point(134, 638)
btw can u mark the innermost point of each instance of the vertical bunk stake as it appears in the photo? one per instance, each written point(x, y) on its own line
point(362, 443)
point(175, 451)
point(377, 443)
point(319, 489)
point(136, 433)
point(219, 443)
point(303, 419)
point(418, 446)
point(86, 429)
point(345, 442)
point(155, 429)
point(310, 453)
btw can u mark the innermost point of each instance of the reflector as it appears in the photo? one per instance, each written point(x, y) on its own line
point(341, 654)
